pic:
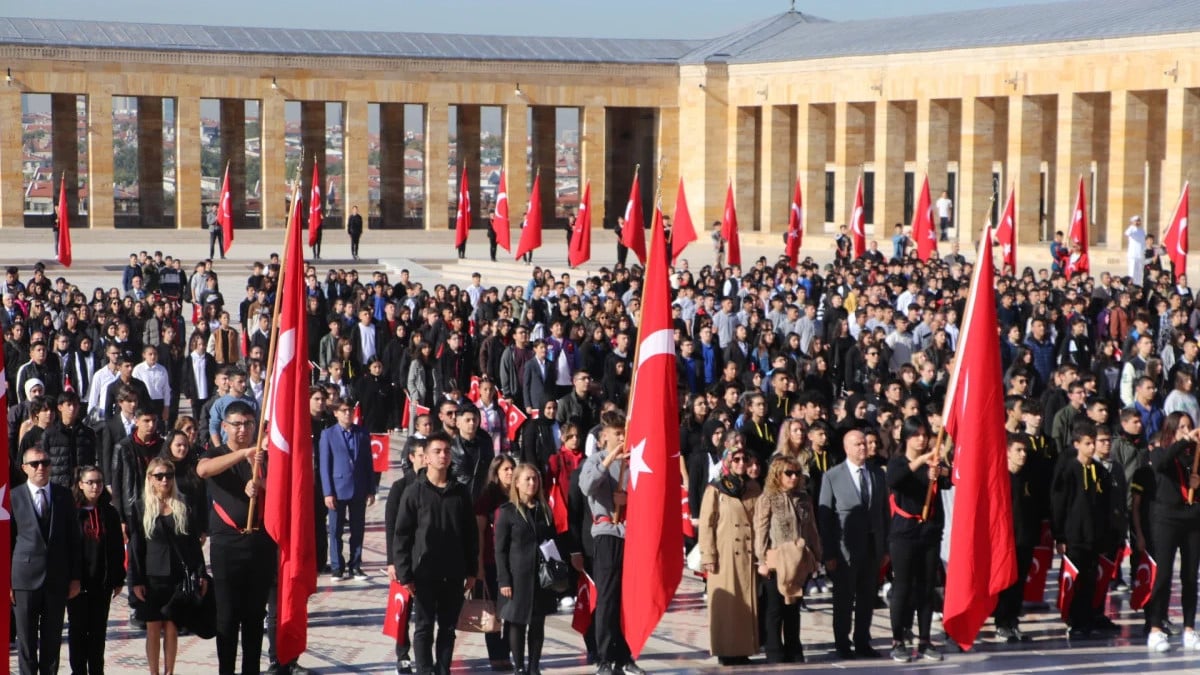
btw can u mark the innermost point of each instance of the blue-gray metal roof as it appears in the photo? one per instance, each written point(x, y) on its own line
point(292, 41)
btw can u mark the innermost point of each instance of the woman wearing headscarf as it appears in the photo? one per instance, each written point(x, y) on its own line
point(704, 466)
point(540, 437)
point(727, 555)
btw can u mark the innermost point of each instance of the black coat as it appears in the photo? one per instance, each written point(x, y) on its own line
point(68, 449)
point(517, 539)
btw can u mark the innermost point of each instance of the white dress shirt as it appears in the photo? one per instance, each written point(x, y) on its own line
point(158, 384)
point(200, 372)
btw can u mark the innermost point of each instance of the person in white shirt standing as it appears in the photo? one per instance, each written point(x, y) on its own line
point(945, 210)
point(1136, 254)
point(154, 376)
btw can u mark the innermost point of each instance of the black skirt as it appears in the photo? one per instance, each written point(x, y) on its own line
point(158, 593)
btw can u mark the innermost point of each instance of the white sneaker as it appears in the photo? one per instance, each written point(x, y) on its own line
point(1158, 642)
point(1191, 641)
point(566, 604)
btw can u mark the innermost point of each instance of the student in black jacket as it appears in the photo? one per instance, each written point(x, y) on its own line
point(1026, 530)
point(436, 553)
point(416, 459)
point(1079, 503)
point(103, 571)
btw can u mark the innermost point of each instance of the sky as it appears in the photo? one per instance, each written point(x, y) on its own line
point(559, 18)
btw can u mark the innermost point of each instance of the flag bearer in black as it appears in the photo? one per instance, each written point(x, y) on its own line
point(1026, 530)
point(243, 563)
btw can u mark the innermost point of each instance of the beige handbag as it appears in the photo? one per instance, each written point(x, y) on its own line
point(478, 615)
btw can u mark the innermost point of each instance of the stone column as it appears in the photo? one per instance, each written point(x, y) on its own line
point(188, 212)
point(745, 169)
point(467, 136)
point(516, 168)
point(1074, 154)
point(933, 143)
point(233, 155)
point(848, 157)
point(392, 204)
point(667, 157)
point(437, 172)
point(312, 140)
point(975, 167)
point(779, 166)
point(1023, 166)
point(275, 189)
point(812, 144)
point(12, 199)
point(151, 205)
point(891, 149)
point(1182, 134)
point(591, 153)
point(64, 121)
point(355, 186)
point(100, 157)
point(1128, 133)
point(544, 135)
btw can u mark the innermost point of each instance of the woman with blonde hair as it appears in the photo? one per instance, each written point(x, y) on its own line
point(727, 556)
point(163, 549)
point(792, 437)
point(787, 547)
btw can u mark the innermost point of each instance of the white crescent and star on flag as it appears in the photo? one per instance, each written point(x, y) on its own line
point(659, 343)
point(286, 350)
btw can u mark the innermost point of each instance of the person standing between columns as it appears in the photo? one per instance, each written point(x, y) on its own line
point(46, 564)
point(354, 228)
point(945, 211)
point(1136, 255)
point(491, 234)
point(622, 249)
point(215, 238)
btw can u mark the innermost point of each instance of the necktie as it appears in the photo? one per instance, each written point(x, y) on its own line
point(43, 508)
point(41, 502)
point(864, 491)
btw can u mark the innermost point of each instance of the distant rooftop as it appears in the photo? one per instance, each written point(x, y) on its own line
point(791, 36)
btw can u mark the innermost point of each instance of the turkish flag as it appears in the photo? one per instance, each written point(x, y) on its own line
point(580, 250)
point(356, 414)
point(64, 224)
point(556, 498)
point(1143, 580)
point(395, 621)
point(531, 230)
point(1066, 586)
point(314, 208)
point(500, 222)
point(1106, 571)
point(225, 214)
point(982, 551)
point(513, 416)
point(795, 229)
point(1176, 238)
point(858, 222)
point(729, 229)
point(288, 515)
point(1039, 570)
point(684, 230)
point(633, 235)
point(688, 529)
point(653, 562)
point(473, 390)
point(585, 604)
point(462, 218)
point(5, 513)
point(1006, 234)
point(922, 223)
point(1078, 232)
point(381, 452)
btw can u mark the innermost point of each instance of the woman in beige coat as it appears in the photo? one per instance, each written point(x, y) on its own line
point(787, 548)
point(727, 554)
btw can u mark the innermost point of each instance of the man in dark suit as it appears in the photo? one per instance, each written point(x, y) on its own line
point(348, 482)
point(853, 520)
point(46, 563)
point(537, 382)
point(354, 228)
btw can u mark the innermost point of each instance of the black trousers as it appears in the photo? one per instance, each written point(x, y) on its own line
point(1008, 606)
point(609, 559)
point(437, 601)
point(534, 633)
point(1080, 614)
point(86, 630)
point(320, 512)
point(39, 617)
point(622, 254)
point(782, 634)
point(216, 240)
point(354, 243)
point(242, 586)
point(854, 580)
point(492, 249)
point(316, 247)
point(914, 571)
point(1171, 536)
point(462, 250)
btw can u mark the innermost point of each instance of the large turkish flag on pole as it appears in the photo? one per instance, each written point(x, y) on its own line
point(462, 219)
point(314, 208)
point(684, 230)
point(580, 250)
point(1006, 233)
point(500, 223)
point(64, 224)
point(1176, 238)
point(225, 214)
point(982, 552)
point(729, 229)
point(653, 539)
point(858, 222)
point(1078, 233)
point(531, 230)
point(633, 235)
point(795, 229)
point(289, 508)
point(922, 223)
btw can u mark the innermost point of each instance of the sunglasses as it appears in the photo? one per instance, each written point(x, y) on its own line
point(38, 463)
point(160, 477)
point(791, 473)
point(737, 459)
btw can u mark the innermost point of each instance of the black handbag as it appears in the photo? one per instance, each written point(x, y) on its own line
point(189, 607)
point(553, 575)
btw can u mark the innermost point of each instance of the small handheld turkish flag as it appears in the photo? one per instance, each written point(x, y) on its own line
point(1039, 570)
point(689, 530)
point(1143, 581)
point(585, 604)
point(1066, 586)
point(1105, 571)
point(381, 446)
point(395, 622)
point(513, 417)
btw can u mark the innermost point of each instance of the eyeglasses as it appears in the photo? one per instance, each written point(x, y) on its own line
point(160, 477)
point(791, 473)
point(737, 459)
point(240, 425)
point(38, 463)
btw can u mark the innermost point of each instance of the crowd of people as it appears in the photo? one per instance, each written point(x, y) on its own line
point(810, 402)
